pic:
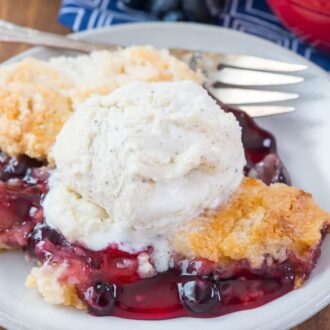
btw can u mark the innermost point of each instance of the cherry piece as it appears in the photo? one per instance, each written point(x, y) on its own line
point(262, 161)
point(270, 170)
point(20, 211)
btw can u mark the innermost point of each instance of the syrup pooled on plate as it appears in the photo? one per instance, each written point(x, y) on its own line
point(108, 281)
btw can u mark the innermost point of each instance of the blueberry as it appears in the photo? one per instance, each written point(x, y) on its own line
point(101, 298)
point(135, 4)
point(174, 16)
point(215, 6)
point(196, 10)
point(161, 7)
point(199, 296)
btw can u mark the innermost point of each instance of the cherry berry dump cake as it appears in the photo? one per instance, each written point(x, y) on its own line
point(259, 241)
point(223, 282)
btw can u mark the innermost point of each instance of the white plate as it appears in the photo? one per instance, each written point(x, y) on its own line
point(302, 142)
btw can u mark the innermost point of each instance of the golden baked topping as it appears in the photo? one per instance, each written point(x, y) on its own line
point(259, 221)
point(31, 116)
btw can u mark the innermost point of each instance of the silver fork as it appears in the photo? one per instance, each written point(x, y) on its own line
point(227, 76)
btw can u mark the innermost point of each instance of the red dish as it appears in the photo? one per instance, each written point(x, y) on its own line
point(309, 19)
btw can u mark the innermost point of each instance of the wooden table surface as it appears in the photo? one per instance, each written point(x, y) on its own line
point(41, 14)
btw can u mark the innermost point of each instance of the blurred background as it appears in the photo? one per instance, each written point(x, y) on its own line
point(300, 25)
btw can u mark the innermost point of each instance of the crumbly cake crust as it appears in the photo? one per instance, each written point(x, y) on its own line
point(31, 70)
point(260, 223)
point(47, 279)
point(31, 116)
point(103, 71)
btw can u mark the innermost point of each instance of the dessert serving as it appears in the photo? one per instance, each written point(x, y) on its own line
point(139, 196)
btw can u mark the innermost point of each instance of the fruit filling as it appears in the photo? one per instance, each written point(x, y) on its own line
point(20, 198)
point(109, 282)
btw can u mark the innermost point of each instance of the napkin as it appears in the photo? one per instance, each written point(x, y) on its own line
point(250, 16)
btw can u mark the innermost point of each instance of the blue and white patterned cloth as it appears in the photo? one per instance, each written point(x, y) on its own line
point(250, 16)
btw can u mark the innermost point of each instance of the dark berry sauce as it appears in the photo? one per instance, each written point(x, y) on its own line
point(262, 161)
point(11, 167)
point(109, 284)
point(108, 281)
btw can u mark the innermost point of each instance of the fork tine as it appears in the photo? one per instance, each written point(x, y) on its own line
point(247, 96)
point(258, 63)
point(211, 60)
point(265, 110)
point(243, 77)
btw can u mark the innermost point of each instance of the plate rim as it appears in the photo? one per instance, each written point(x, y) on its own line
point(11, 323)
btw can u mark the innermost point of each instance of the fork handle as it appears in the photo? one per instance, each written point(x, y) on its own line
point(14, 33)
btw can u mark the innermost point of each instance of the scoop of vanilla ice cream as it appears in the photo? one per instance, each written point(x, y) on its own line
point(148, 157)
